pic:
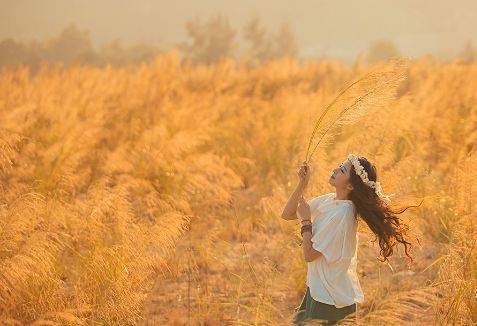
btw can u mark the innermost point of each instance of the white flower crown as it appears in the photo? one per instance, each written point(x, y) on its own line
point(361, 172)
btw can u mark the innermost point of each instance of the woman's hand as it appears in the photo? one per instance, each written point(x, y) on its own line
point(303, 210)
point(304, 173)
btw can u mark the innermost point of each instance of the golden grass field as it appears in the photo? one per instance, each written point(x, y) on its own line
point(152, 194)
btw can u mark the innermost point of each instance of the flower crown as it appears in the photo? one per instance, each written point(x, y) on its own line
point(361, 172)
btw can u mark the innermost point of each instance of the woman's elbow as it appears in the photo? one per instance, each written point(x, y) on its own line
point(312, 256)
point(288, 216)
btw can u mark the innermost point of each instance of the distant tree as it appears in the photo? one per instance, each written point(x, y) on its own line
point(285, 42)
point(12, 52)
point(468, 53)
point(261, 48)
point(265, 46)
point(381, 50)
point(210, 41)
point(72, 44)
point(112, 52)
point(116, 53)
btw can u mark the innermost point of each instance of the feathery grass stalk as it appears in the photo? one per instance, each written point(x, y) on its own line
point(367, 94)
point(239, 288)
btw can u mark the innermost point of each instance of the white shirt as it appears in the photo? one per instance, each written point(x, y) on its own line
point(332, 277)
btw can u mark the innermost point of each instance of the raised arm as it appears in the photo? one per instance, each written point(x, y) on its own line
point(289, 211)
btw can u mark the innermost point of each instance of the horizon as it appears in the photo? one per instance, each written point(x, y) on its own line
point(417, 29)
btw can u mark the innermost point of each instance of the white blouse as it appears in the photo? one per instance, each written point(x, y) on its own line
point(332, 277)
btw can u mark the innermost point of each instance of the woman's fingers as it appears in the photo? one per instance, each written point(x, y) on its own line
point(303, 170)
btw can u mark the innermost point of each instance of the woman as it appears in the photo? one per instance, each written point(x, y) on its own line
point(330, 239)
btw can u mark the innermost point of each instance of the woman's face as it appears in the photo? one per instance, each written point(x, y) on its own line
point(340, 176)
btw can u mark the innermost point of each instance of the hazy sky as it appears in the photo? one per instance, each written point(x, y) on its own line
point(323, 27)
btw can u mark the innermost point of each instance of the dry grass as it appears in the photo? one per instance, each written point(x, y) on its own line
point(151, 194)
point(458, 274)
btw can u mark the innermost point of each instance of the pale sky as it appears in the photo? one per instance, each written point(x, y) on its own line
point(335, 28)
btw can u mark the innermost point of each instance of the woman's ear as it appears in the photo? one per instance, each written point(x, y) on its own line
point(349, 186)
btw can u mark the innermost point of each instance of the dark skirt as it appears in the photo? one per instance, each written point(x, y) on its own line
point(312, 309)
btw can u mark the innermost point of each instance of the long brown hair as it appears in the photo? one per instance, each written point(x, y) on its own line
point(380, 217)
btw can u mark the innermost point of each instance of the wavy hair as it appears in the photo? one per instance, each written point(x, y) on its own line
point(380, 217)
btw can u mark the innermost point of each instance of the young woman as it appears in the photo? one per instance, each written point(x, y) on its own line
point(330, 239)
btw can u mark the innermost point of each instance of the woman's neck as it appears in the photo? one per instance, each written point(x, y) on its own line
point(341, 194)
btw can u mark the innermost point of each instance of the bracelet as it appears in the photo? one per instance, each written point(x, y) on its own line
point(305, 221)
point(305, 228)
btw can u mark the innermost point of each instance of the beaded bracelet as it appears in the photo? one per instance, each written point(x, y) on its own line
point(305, 228)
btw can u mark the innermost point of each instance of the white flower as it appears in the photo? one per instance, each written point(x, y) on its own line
point(361, 172)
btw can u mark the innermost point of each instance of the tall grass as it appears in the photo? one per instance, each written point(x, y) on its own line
point(458, 273)
point(151, 194)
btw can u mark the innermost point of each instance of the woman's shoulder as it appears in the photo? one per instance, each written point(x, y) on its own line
point(321, 198)
point(324, 196)
point(318, 200)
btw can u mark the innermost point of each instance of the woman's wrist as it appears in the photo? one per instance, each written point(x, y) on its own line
point(306, 228)
point(305, 222)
